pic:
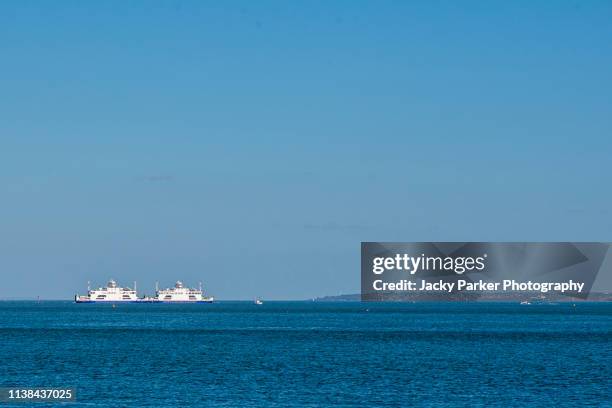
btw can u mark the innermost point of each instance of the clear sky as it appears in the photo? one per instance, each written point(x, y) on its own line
point(253, 145)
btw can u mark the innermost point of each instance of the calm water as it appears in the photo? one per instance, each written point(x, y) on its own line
point(311, 354)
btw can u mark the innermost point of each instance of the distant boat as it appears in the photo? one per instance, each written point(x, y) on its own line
point(258, 302)
point(525, 302)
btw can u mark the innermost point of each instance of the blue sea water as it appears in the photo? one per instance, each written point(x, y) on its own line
point(283, 354)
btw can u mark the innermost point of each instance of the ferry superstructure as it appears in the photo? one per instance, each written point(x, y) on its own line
point(181, 294)
point(111, 293)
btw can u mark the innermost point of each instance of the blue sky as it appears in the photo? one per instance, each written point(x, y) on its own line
point(254, 145)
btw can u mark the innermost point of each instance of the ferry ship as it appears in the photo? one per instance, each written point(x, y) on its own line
point(110, 293)
point(113, 293)
point(179, 293)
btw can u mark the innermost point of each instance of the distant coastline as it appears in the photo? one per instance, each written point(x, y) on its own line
point(488, 297)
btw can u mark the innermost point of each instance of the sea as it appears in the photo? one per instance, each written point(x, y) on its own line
point(310, 354)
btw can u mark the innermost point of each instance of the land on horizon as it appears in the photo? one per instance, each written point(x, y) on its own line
point(603, 296)
point(488, 297)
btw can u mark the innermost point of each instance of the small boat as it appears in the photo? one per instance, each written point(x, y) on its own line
point(258, 302)
point(525, 302)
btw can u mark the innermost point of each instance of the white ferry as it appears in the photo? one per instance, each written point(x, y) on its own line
point(110, 293)
point(181, 294)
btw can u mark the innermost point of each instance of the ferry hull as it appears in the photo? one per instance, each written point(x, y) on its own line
point(81, 300)
point(108, 301)
point(144, 301)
